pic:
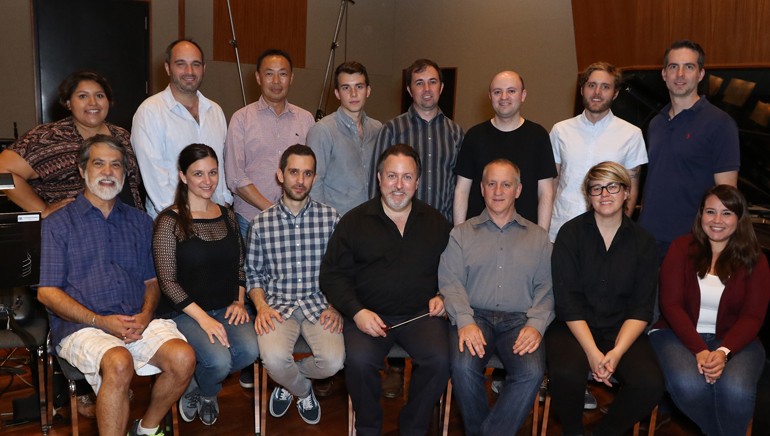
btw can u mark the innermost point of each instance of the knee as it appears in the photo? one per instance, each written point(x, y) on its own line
point(462, 366)
point(176, 358)
point(276, 360)
point(330, 362)
point(250, 351)
point(117, 366)
point(437, 363)
point(360, 363)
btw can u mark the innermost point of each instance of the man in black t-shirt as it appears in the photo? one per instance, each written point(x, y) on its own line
point(507, 135)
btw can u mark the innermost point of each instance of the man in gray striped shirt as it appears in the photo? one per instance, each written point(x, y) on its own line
point(436, 138)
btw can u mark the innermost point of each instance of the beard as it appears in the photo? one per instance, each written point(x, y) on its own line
point(293, 195)
point(604, 106)
point(105, 193)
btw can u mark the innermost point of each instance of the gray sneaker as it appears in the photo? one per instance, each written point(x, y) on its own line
point(189, 403)
point(309, 408)
point(209, 411)
point(280, 400)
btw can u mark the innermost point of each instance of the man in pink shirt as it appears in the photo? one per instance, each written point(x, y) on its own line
point(258, 134)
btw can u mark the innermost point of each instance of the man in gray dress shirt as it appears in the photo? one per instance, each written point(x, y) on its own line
point(343, 142)
point(495, 276)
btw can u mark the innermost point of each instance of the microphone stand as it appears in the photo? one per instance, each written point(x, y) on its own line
point(325, 89)
point(234, 43)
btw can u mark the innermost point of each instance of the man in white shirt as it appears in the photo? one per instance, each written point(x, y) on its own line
point(172, 119)
point(594, 136)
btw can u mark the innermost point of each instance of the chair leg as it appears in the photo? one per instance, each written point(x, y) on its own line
point(173, 416)
point(751, 425)
point(546, 410)
point(653, 421)
point(257, 401)
point(263, 414)
point(73, 407)
point(536, 413)
point(447, 408)
point(49, 389)
point(351, 418)
point(41, 389)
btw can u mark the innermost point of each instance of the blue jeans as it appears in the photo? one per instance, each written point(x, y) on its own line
point(724, 408)
point(277, 348)
point(524, 375)
point(216, 361)
point(243, 225)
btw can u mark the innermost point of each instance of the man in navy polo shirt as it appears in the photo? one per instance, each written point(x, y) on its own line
point(692, 146)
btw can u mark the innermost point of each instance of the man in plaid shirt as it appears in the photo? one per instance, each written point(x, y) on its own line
point(286, 244)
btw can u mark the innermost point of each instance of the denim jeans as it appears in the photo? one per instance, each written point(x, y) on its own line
point(243, 225)
point(724, 408)
point(277, 348)
point(216, 361)
point(524, 375)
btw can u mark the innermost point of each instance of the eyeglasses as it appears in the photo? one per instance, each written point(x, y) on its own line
point(612, 188)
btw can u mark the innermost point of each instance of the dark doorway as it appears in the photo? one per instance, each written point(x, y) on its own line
point(108, 36)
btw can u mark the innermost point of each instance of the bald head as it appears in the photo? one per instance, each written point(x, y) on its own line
point(507, 77)
point(507, 93)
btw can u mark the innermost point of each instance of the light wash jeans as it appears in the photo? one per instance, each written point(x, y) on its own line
point(216, 361)
point(277, 348)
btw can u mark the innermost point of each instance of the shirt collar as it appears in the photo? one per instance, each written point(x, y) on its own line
point(601, 123)
point(696, 107)
point(346, 121)
point(415, 116)
point(288, 213)
point(170, 101)
point(625, 224)
point(262, 105)
point(484, 218)
point(83, 207)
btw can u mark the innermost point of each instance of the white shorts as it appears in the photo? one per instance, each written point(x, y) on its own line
point(85, 348)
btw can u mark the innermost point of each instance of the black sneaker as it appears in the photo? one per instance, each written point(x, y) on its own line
point(246, 379)
point(280, 400)
point(309, 408)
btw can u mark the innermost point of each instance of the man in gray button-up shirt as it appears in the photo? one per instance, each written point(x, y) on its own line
point(495, 276)
point(343, 142)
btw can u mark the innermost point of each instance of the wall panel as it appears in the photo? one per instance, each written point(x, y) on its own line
point(260, 25)
point(637, 32)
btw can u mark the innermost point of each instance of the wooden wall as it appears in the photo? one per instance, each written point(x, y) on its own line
point(635, 33)
point(259, 25)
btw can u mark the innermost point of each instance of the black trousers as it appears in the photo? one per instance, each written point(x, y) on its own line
point(640, 377)
point(427, 342)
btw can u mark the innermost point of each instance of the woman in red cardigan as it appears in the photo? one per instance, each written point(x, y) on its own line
point(713, 297)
